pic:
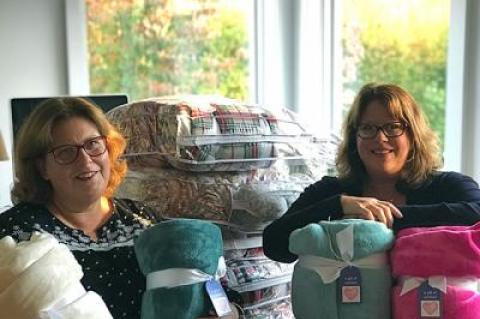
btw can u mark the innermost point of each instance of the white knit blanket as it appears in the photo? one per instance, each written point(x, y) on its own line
point(40, 278)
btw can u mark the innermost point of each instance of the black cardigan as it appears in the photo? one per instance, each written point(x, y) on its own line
point(448, 198)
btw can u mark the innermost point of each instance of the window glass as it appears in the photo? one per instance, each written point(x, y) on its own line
point(163, 47)
point(402, 42)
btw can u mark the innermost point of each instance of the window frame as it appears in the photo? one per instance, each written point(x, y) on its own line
point(462, 153)
point(77, 47)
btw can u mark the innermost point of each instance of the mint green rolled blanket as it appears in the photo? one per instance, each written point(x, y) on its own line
point(185, 244)
point(316, 294)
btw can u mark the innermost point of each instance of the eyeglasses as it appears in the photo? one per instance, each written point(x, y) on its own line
point(392, 129)
point(67, 154)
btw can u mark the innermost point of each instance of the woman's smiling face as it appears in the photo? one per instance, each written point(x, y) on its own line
point(86, 178)
point(382, 156)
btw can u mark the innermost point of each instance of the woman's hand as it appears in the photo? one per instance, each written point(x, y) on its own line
point(369, 208)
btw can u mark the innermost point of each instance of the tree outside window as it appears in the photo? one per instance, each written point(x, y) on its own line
point(402, 42)
point(163, 47)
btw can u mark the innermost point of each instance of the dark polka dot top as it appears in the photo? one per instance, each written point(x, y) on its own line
point(109, 264)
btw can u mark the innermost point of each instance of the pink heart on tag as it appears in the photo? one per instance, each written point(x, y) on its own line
point(350, 292)
point(430, 307)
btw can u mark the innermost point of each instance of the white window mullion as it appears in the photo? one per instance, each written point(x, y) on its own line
point(337, 63)
point(471, 106)
point(77, 48)
point(275, 53)
point(455, 85)
point(257, 53)
point(315, 64)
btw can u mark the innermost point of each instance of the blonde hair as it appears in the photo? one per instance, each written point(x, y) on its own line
point(424, 156)
point(35, 140)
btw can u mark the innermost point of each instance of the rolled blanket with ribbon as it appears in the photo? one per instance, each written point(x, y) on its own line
point(445, 250)
point(178, 257)
point(40, 278)
point(437, 271)
point(342, 270)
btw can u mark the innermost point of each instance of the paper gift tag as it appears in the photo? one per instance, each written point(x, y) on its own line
point(350, 285)
point(429, 301)
point(218, 297)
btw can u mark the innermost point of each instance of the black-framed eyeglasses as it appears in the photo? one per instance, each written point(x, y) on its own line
point(392, 129)
point(67, 154)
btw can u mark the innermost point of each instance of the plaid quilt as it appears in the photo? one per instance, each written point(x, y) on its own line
point(242, 272)
point(201, 134)
point(242, 120)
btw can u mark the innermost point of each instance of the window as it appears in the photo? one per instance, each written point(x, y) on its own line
point(402, 42)
point(313, 56)
point(154, 48)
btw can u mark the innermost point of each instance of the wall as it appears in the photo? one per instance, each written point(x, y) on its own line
point(32, 63)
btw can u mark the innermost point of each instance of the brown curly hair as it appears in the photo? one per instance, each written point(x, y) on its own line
point(35, 140)
point(424, 155)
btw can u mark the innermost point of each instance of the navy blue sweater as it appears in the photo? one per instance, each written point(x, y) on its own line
point(447, 198)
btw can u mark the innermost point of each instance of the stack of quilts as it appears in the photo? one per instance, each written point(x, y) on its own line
point(246, 200)
point(199, 133)
point(224, 161)
point(258, 285)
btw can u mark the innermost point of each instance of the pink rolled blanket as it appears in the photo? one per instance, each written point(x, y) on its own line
point(447, 250)
point(446, 258)
point(458, 303)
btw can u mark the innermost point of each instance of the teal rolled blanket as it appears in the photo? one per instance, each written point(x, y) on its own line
point(316, 294)
point(180, 244)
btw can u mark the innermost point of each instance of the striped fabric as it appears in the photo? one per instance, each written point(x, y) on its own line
point(239, 119)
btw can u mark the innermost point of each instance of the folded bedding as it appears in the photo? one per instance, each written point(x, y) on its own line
point(254, 274)
point(422, 251)
point(457, 303)
point(40, 278)
point(204, 133)
point(442, 259)
point(325, 250)
point(264, 295)
point(178, 257)
point(246, 200)
point(280, 309)
point(90, 305)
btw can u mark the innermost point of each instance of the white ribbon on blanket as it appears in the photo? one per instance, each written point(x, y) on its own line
point(74, 292)
point(440, 282)
point(329, 269)
point(174, 277)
